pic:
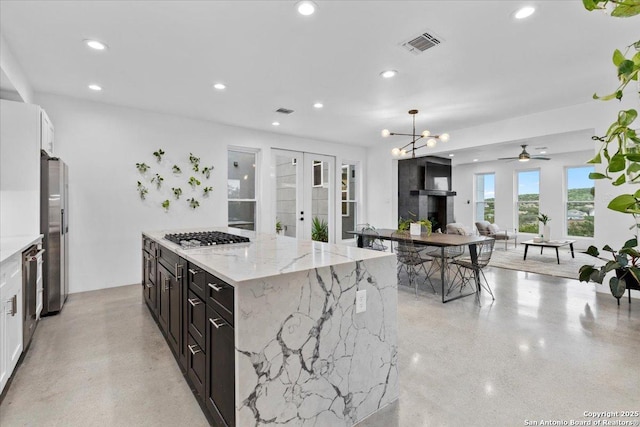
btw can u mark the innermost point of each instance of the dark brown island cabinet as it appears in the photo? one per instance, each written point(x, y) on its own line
point(194, 311)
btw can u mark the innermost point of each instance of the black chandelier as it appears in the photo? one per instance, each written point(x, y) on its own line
point(404, 151)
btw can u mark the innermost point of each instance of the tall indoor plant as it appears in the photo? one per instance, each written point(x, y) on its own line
point(619, 155)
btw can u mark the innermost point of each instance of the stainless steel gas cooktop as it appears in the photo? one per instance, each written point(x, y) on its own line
point(204, 238)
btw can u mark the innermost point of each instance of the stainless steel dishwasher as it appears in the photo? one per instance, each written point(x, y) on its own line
point(31, 275)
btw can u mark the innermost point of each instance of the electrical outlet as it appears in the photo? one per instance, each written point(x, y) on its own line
point(361, 301)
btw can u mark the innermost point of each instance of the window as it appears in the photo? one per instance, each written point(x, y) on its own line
point(348, 199)
point(486, 197)
point(580, 201)
point(241, 189)
point(528, 201)
point(318, 174)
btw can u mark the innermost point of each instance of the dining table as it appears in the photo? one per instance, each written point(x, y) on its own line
point(440, 240)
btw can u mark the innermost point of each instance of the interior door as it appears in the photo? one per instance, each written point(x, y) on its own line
point(304, 194)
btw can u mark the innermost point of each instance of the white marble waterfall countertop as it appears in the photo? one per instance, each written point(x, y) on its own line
point(14, 244)
point(265, 255)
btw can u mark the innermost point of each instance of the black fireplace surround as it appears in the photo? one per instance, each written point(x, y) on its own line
point(424, 190)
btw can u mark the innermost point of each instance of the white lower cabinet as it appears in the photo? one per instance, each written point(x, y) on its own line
point(11, 316)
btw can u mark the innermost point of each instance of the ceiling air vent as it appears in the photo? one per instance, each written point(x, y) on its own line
point(284, 111)
point(419, 44)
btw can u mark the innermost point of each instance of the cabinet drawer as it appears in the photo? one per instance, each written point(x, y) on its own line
point(170, 261)
point(197, 280)
point(197, 318)
point(221, 296)
point(196, 365)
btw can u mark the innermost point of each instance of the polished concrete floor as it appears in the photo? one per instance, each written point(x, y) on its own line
point(545, 349)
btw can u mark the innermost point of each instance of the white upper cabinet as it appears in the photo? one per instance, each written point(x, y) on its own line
point(46, 133)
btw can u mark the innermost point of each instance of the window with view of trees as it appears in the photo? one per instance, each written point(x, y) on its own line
point(580, 201)
point(485, 197)
point(528, 204)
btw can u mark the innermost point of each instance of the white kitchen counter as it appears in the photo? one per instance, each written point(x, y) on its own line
point(14, 244)
point(266, 255)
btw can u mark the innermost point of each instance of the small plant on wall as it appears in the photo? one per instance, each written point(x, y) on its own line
point(158, 154)
point(172, 171)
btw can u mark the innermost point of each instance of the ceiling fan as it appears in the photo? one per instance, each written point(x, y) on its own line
point(524, 156)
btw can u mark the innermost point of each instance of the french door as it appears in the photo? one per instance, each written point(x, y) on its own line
point(304, 194)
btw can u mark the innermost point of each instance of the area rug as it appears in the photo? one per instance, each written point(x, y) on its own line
point(542, 264)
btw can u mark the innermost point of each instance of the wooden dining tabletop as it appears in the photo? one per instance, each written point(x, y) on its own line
point(433, 239)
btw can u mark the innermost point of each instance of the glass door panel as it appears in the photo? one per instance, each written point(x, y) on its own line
point(287, 186)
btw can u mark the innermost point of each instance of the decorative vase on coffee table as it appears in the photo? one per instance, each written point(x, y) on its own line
point(546, 233)
point(415, 228)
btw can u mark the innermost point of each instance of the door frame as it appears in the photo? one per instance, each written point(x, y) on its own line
point(304, 188)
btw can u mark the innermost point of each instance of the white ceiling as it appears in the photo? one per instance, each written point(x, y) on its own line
point(165, 56)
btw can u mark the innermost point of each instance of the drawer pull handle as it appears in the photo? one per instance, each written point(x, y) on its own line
point(166, 284)
point(14, 305)
point(196, 351)
point(194, 272)
point(194, 301)
point(215, 287)
point(178, 268)
point(217, 322)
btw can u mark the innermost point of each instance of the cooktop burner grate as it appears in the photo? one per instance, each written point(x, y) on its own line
point(205, 238)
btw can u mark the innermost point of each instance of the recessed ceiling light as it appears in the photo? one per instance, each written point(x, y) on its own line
point(451, 155)
point(95, 44)
point(306, 7)
point(95, 87)
point(475, 160)
point(524, 12)
point(543, 152)
point(388, 74)
point(219, 86)
point(276, 123)
point(318, 105)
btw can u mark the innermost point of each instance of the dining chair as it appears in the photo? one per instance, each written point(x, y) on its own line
point(467, 269)
point(370, 238)
point(410, 257)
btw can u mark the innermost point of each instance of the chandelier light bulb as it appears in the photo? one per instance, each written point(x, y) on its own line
point(431, 142)
point(403, 152)
point(426, 133)
point(385, 133)
point(444, 137)
point(395, 152)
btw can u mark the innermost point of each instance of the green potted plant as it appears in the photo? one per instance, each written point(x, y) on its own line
point(415, 226)
point(278, 227)
point(546, 229)
point(319, 230)
point(619, 155)
point(624, 261)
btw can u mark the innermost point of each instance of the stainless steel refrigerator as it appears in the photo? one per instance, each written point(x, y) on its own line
point(54, 225)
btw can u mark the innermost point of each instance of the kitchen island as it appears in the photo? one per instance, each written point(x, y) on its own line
point(267, 331)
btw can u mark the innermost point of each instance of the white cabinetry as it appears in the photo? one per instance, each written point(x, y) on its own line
point(46, 133)
point(23, 127)
point(11, 313)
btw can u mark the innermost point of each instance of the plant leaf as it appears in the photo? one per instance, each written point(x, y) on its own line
point(596, 160)
point(617, 286)
point(597, 175)
point(622, 203)
point(585, 273)
point(617, 163)
point(625, 10)
point(618, 57)
point(593, 251)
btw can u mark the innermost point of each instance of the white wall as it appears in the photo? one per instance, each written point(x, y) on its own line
point(101, 144)
point(13, 72)
point(552, 190)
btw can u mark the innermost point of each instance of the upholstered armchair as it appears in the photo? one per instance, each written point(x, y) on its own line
point(485, 228)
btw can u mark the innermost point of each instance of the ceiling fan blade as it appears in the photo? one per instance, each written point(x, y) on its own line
point(507, 158)
point(540, 158)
